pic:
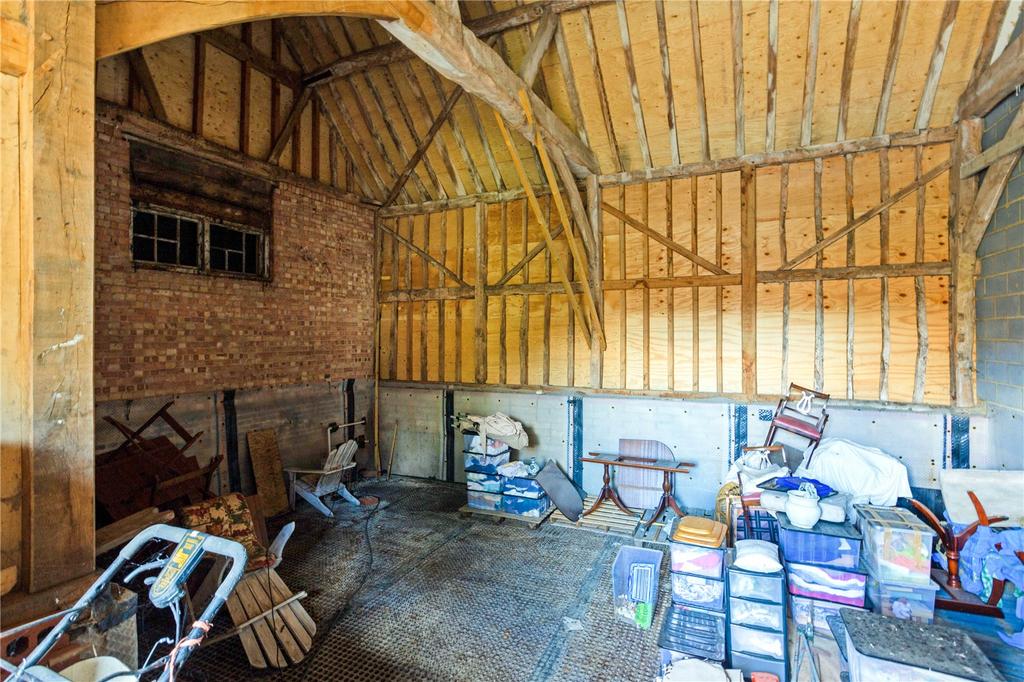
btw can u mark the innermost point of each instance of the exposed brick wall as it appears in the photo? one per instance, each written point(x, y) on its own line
point(1000, 303)
point(162, 333)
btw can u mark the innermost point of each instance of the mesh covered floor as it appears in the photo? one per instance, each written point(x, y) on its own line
point(448, 598)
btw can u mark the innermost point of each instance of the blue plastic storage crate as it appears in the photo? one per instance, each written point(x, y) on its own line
point(484, 464)
point(522, 486)
point(475, 444)
point(840, 585)
point(525, 506)
point(635, 584)
point(827, 544)
point(695, 632)
point(485, 501)
point(484, 483)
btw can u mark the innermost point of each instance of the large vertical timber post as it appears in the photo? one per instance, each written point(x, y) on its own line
point(480, 295)
point(964, 257)
point(748, 279)
point(596, 278)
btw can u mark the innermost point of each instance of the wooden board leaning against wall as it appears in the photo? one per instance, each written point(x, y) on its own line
point(852, 285)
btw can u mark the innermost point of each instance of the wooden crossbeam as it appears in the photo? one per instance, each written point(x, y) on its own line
point(531, 198)
point(866, 216)
point(225, 42)
point(995, 82)
point(525, 260)
point(578, 256)
point(541, 39)
point(579, 210)
point(144, 76)
point(446, 110)
point(661, 239)
point(289, 124)
point(423, 254)
point(1012, 141)
point(454, 51)
point(986, 199)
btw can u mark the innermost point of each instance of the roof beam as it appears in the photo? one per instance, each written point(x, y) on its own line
point(931, 85)
point(995, 82)
point(545, 32)
point(482, 28)
point(294, 115)
point(899, 25)
point(852, 31)
point(137, 63)
point(454, 51)
point(227, 43)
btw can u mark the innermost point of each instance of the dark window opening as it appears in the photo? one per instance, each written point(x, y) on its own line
point(234, 250)
point(164, 238)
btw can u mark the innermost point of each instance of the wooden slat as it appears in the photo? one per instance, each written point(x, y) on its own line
point(783, 214)
point(597, 272)
point(144, 77)
point(480, 298)
point(410, 80)
point(938, 60)
point(810, 73)
point(748, 283)
point(579, 212)
point(634, 90)
point(866, 216)
point(678, 248)
point(883, 258)
point(456, 132)
point(773, 74)
point(602, 98)
point(736, 20)
point(423, 254)
point(698, 64)
point(666, 76)
point(719, 300)
point(1012, 141)
point(819, 292)
point(852, 33)
point(851, 260)
point(244, 52)
point(572, 94)
point(920, 300)
point(695, 294)
point(245, 93)
point(895, 42)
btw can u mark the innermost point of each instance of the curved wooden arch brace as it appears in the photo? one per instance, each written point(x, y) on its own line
point(123, 25)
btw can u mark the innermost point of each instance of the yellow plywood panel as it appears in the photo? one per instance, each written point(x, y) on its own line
point(903, 215)
point(834, 337)
point(769, 188)
point(682, 223)
point(468, 354)
point(732, 362)
point(513, 318)
point(634, 340)
point(285, 105)
point(637, 206)
point(560, 312)
point(402, 337)
point(451, 339)
point(222, 107)
point(902, 338)
point(537, 346)
point(683, 333)
point(708, 354)
point(755, 73)
point(800, 216)
point(971, 18)
point(433, 336)
point(612, 231)
point(658, 346)
point(657, 254)
point(171, 64)
point(866, 195)
point(494, 348)
point(613, 311)
point(867, 347)
point(616, 84)
point(574, 28)
point(876, 20)
point(260, 138)
point(912, 68)
point(643, 31)
point(680, 47)
point(793, 23)
point(937, 372)
point(833, 208)
point(936, 227)
point(581, 359)
point(716, 49)
point(828, 75)
point(800, 355)
point(306, 142)
point(707, 234)
point(769, 338)
point(112, 79)
point(386, 349)
point(731, 207)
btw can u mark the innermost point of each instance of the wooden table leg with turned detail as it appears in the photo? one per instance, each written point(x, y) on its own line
point(667, 500)
point(608, 493)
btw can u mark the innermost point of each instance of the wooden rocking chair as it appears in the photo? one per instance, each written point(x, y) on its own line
point(953, 484)
point(314, 484)
point(273, 627)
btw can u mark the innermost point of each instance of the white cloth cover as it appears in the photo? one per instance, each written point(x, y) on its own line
point(868, 474)
point(501, 427)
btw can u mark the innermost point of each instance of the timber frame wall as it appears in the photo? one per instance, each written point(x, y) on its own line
point(829, 268)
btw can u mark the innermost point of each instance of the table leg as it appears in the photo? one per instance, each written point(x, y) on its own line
point(666, 502)
point(606, 491)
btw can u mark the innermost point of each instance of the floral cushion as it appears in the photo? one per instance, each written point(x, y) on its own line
point(229, 517)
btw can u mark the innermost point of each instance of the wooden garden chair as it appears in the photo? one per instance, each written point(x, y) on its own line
point(273, 627)
point(314, 484)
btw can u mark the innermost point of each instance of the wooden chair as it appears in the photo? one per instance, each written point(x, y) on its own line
point(954, 490)
point(314, 484)
point(802, 412)
point(271, 623)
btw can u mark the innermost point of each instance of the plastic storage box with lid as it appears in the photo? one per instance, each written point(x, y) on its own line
point(759, 614)
point(815, 613)
point(525, 506)
point(635, 574)
point(909, 602)
point(769, 587)
point(826, 544)
point(693, 631)
point(840, 585)
point(707, 593)
point(757, 641)
point(486, 501)
point(884, 649)
point(473, 443)
point(484, 464)
point(751, 664)
point(522, 486)
point(484, 483)
point(897, 544)
point(697, 546)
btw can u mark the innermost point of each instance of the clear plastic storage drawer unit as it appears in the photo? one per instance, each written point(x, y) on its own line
point(910, 602)
point(884, 649)
point(525, 506)
point(815, 613)
point(827, 544)
point(759, 614)
point(484, 464)
point(475, 444)
point(897, 544)
point(756, 641)
point(695, 632)
point(750, 664)
point(696, 590)
point(770, 587)
point(485, 501)
point(839, 585)
point(697, 546)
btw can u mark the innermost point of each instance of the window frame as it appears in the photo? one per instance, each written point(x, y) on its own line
point(203, 259)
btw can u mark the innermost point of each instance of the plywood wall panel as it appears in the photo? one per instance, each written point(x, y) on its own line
point(167, 61)
point(769, 338)
point(912, 68)
point(643, 31)
point(716, 42)
point(793, 24)
point(902, 338)
point(680, 47)
point(834, 337)
point(834, 17)
point(755, 73)
point(876, 20)
point(221, 113)
point(616, 84)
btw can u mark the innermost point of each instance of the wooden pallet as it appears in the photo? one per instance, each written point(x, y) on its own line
point(658, 531)
point(499, 517)
point(607, 519)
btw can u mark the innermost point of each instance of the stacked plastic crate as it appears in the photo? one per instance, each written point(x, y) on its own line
point(824, 570)
point(757, 622)
point(898, 555)
point(695, 624)
point(488, 490)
